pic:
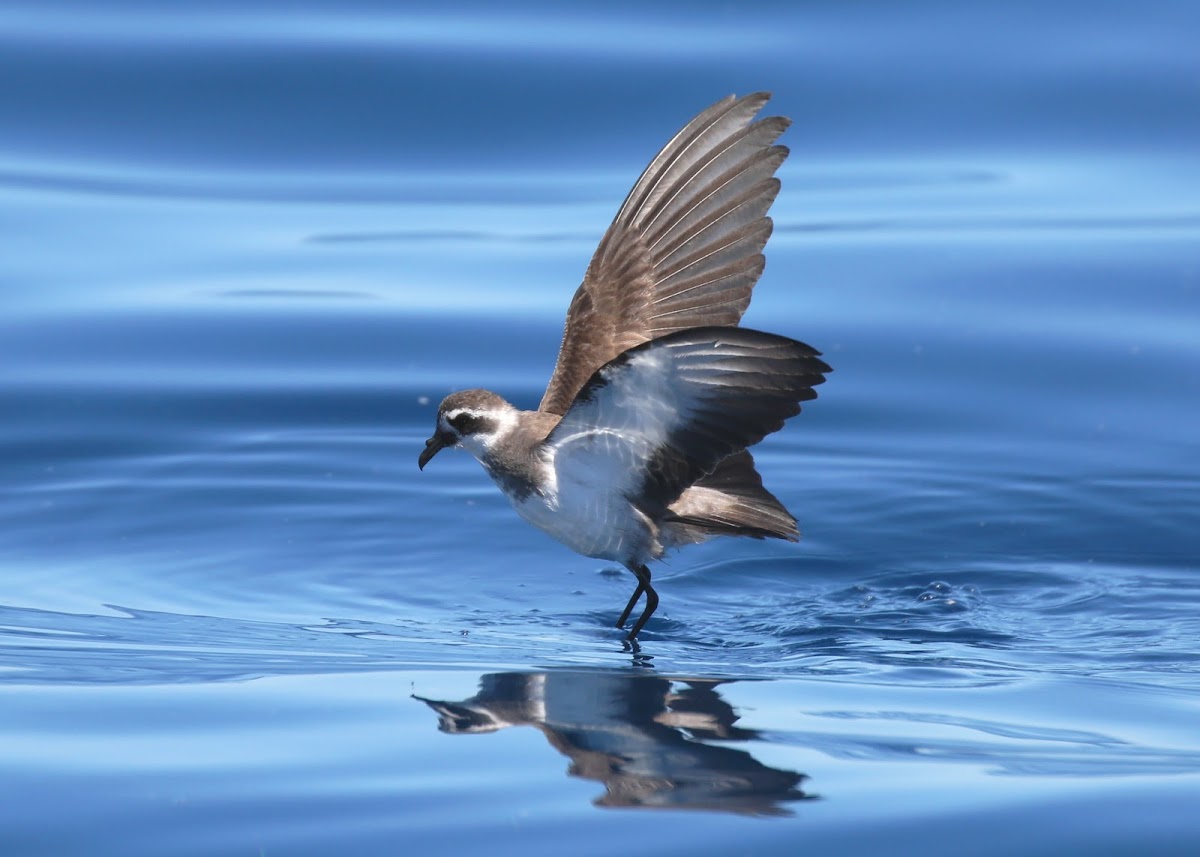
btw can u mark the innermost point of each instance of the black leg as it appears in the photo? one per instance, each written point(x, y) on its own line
point(643, 576)
point(637, 593)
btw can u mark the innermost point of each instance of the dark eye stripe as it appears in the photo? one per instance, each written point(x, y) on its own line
point(470, 423)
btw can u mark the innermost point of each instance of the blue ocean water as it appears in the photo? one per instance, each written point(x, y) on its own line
point(249, 246)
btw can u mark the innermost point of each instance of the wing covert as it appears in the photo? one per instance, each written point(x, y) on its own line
point(665, 413)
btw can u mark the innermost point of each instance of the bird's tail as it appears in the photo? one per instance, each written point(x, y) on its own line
point(730, 501)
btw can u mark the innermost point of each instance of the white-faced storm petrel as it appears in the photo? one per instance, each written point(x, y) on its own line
point(639, 443)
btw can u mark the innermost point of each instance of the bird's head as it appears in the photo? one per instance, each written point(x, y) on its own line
point(472, 419)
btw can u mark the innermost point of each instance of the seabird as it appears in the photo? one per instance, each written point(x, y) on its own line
point(640, 442)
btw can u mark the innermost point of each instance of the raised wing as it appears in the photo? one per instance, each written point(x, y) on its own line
point(665, 413)
point(684, 250)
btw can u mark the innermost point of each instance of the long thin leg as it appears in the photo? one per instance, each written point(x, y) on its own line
point(637, 593)
point(643, 576)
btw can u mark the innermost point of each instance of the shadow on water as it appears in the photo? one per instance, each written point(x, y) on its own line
point(648, 739)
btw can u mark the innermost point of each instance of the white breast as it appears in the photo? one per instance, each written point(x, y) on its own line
point(581, 509)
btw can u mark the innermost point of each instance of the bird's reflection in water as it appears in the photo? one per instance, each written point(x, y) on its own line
point(646, 738)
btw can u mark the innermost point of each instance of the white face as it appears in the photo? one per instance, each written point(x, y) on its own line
point(477, 431)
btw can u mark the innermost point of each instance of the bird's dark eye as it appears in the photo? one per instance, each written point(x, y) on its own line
point(466, 423)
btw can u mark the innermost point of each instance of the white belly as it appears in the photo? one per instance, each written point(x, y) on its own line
point(600, 524)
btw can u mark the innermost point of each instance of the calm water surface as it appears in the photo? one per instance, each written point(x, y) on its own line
point(246, 250)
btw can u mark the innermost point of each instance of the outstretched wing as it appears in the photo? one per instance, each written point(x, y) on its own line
point(684, 250)
point(665, 413)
